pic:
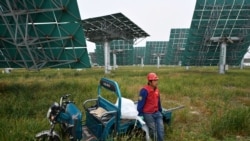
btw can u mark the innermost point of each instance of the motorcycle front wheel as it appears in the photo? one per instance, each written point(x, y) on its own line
point(47, 138)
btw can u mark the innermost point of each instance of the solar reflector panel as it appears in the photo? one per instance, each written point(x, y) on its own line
point(155, 49)
point(123, 49)
point(139, 52)
point(176, 46)
point(112, 27)
point(226, 21)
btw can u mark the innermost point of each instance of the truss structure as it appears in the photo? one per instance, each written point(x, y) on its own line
point(112, 27)
point(217, 22)
point(41, 33)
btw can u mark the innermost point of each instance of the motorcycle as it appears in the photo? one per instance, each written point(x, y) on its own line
point(68, 116)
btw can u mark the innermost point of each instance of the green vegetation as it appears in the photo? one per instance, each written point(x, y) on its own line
point(217, 107)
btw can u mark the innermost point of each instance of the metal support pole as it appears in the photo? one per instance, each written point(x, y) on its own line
point(142, 63)
point(158, 61)
point(223, 51)
point(107, 56)
point(114, 61)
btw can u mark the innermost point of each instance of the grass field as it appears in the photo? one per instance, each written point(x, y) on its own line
point(217, 106)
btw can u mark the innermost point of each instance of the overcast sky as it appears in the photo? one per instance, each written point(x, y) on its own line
point(155, 17)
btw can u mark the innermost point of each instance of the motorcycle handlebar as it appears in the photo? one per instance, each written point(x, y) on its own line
point(66, 96)
point(63, 98)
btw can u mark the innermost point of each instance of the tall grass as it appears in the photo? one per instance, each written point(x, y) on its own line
point(216, 106)
point(233, 121)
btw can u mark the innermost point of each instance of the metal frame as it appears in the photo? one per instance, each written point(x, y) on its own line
point(38, 34)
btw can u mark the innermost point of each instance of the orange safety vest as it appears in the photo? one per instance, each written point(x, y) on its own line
point(151, 103)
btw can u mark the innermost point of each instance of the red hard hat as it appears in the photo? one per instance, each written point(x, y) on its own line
point(152, 76)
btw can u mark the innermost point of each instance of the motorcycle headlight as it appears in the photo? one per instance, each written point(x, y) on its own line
point(53, 111)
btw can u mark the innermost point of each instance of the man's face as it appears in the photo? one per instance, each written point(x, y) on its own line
point(154, 83)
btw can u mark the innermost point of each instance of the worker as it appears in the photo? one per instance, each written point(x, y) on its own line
point(149, 107)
